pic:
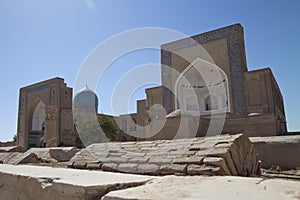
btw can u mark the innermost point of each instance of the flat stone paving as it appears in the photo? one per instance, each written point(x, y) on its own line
point(22, 182)
point(220, 155)
point(210, 188)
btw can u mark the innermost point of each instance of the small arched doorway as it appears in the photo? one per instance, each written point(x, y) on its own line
point(211, 103)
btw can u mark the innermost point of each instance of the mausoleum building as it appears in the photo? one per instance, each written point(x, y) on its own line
point(205, 79)
point(206, 89)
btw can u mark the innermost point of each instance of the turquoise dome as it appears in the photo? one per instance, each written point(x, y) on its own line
point(86, 99)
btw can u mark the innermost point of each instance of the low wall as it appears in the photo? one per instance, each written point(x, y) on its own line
point(282, 151)
point(7, 144)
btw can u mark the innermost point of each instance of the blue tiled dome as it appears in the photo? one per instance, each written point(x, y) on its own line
point(87, 99)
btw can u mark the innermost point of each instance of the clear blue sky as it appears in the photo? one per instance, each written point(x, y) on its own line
point(51, 38)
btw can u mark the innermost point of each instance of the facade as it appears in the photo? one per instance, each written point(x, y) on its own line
point(205, 77)
point(45, 115)
point(204, 80)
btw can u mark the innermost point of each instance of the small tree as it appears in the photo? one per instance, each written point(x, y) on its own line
point(15, 138)
point(109, 127)
point(90, 132)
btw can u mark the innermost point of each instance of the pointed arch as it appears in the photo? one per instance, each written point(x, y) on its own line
point(197, 81)
point(37, 115)
point(36, 123)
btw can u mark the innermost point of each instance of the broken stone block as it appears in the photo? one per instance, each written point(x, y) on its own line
point(23, 158)
point(148, 169)
point(84, 155)
point(79, 165)
point(225, 154)
point(217, 162)
point(93, 166)
point(127, 167)
point(42, 153)
point(62, 154)
point(12, 149)
point(16, 158)
point(202, 170)
point(54, 154)
point(111, 167)
point(173, 169)
point(5, 157)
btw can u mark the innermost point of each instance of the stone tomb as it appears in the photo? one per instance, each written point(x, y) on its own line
point(224, 155)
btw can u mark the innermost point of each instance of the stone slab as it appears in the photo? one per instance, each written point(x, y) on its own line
point(285, 139)
point(42, 153)
point(35, 183)
point(212, 188)
point(5, 157)
point(23, 158)
point(16, 158)
point(12, 149)
point(218, 162)
point(282, 151)
point(173, 169)
point(60, 154)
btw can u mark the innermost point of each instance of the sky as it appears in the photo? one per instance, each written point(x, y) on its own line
point(52, 38)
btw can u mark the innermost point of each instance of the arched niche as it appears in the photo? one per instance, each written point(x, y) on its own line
point(37, 115)
point(36, 124)
point(202, 88)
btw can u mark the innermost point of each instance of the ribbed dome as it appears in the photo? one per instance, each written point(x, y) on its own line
point(86, 98)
